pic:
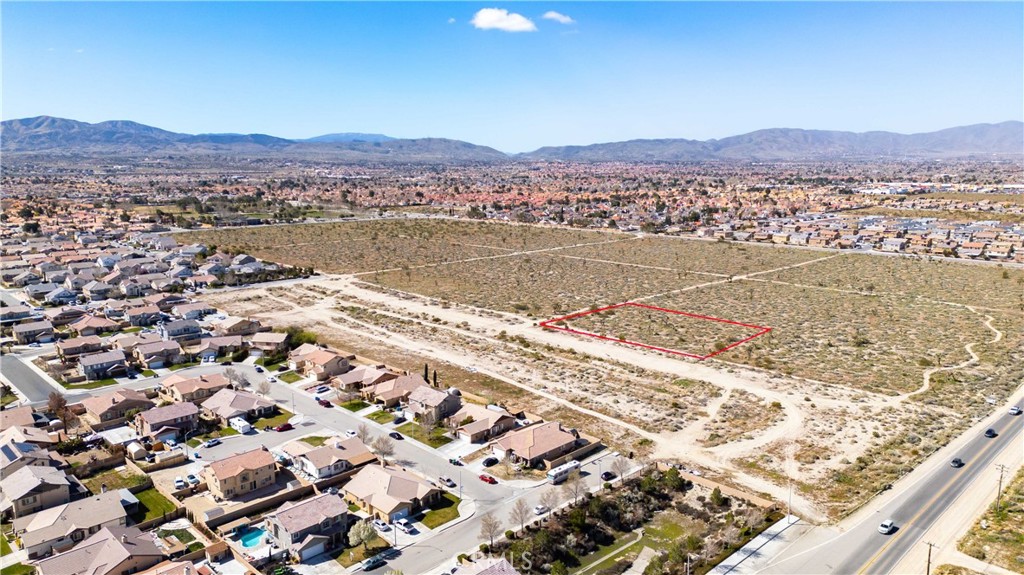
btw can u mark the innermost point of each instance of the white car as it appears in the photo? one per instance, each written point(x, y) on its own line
point(1015, 410)
point(540, 509)
point(381, 526)
point(272, 379)
point(351, 432)
point(179, 483)
point(887, 527)
point(403, 525)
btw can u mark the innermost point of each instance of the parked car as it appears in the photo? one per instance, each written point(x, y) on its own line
point(455, 462)
point(396, 435)
point(282, 368)
point(607, 476)
point(490, 461)
point(322, 389)
point(351, 433)
point(35, 344)
point(488, 479)
point(887, 527)
point(447, 481)
point(540, 509)
point(272, 379)
point(212, 442)
point(324, 403)
point(192, 479)
point(990, 432)
point(284, 427)
point(404, 526)
point(259, 369)
point(957, 462)
point(380, 525)
point(1015, 410)
point(179, 483)
point(373, 563)
point(398, 419)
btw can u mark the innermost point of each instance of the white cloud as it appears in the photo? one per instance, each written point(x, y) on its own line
point(557, 17)
point(451, 20)
point(79, 51)
point(501, 19)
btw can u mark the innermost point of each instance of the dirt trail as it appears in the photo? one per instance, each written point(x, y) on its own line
point(926, 385)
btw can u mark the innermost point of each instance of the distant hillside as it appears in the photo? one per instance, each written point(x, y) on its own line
point(1006, 138)
point(46, 135)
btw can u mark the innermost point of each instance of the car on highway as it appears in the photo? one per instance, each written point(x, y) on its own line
point(212, 442)
point(488, 479)
point(192, 479)
point(396, 435)
point(447, 481)
point(957, 462)
point(607, 476)
point(322, 389)
point(284, 427)
point(380, 525)
point(887, 527)
point(324, 403)
point(404, 526)
point(179, 483)
point(1016, 410)
point(373, 563)
point(990, 432)
point(490, 461)
point(540, 509)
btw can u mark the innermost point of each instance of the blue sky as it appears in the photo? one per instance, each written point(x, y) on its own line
point(617, 71)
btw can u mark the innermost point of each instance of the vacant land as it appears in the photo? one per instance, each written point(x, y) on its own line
point(998, 537)
point(951, 215)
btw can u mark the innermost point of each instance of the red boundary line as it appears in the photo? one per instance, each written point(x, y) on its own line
point(549, 325)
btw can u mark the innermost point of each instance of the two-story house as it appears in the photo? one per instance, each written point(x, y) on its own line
point(102, 365)
point(114, 406)
point(109, 551)
point(36, 331)
point(158, 354)
point(70, 349)
point(184, 331)
point(62, 527)
point(239, 474)
point(237, 326)
point(310, 527)
point(168, 422)
point(193, 389)
point(32, 489)
point(432, 404)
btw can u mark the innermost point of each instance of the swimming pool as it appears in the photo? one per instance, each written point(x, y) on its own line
point(252, 537)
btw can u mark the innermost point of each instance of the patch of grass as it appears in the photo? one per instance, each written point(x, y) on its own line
point(435, 438)
point(5, 547)
point(445, 510)
point(382, 417)
point(113, 479)
point(355, 405)
point(351, 555)
point(178, 366)
point(148, 373)
point(606, 552)
point(352, 507)
point(282, 417)
point(135, 329)
point(222, 432)
point(8, 399)
point(183, 535)
point(315, 440)
point(289, 377)
point(18, 569)
point(91, 384)
point(151, 505)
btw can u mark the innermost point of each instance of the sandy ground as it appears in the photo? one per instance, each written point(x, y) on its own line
point(840, 420)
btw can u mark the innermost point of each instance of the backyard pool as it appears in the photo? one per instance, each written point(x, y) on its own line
point(252, 537)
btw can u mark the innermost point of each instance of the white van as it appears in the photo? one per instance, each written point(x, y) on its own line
point(240, 425)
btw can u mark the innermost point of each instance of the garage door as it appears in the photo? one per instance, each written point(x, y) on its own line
point(400, 514)
point(312, 551)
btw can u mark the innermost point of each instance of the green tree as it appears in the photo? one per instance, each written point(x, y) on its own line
point(361, 534)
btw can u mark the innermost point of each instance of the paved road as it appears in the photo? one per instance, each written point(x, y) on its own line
point(862, 549)
point(34, 387)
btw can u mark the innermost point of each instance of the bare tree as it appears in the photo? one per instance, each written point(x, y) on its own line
point(363, 433)
point(574, 486)
point(263, 387)
point(620, 467)
point(489, 526)
point(549, 499)
point(384, 447)
point(427, 422)
point(520, 513)
point(58, 405)
point(361, 534)
point(232, 375)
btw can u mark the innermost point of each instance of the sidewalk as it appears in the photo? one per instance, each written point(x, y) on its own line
point(761, 549)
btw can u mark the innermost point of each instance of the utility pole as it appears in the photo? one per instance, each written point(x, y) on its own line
point(999, 492)
point(928, 567)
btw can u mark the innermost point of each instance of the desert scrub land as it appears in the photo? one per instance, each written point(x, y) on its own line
point(742, 415)
point(875, 343)
point(353, 247)
point(957, 282)
point(676, 331)
point(682, 254)
point(536, 284)
point(1001, 541)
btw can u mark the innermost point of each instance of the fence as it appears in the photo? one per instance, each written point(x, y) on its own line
point(145, 525)
point(260, 505)
point(89, 469)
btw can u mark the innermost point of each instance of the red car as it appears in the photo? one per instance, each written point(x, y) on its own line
point(284, 427)
point(488, 479)
point(324, 402)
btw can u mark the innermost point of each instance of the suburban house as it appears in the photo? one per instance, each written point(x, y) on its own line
point(192, 310)
point(536, 445)
point(194, 389)
point(94, 325)
point(70, 349)
point(142, 316)
point(171, 421)
point(97, 290)
point(36, 331)
point(109, 551)
point(330, 459)
point(166, 301)
point(321, 363)
point(113, 406)
point(389, 493)
point(393, 391)
point(15, 314)
point(478, 424)
point(364, 376)
point(486, 566)
point(269, 342)
point(183, 331)
point(210, 347)
point(60, 528)
point(32, 489)
point(29, 434)
point(229, 403)
point(158, 354)
point(236, 326)
point(310, 527)
point(432, 404)
point(129, 341)
point(23, 415)
point(240, 474)
point(14, 455)
point(102, 365)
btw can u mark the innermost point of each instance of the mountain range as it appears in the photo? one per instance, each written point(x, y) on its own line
point(45, 135)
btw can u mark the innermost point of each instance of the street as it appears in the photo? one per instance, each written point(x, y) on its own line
point(15, 371)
